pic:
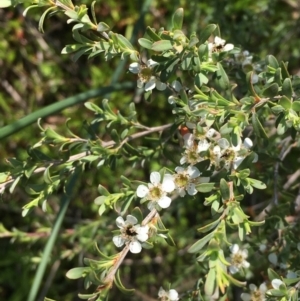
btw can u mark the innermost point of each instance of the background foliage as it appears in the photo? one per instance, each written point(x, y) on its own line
point(34, 74)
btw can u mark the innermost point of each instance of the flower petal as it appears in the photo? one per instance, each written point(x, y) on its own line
point(173, 295)
point(223, 143)
point(248, 143)
point(219, 41)
point(273, 258)
point(142, 191)
point(276, 283)
point(179, 169)
point(155, 177)
point(150, 85)
point(246, 297)
point(193, 172)
point(168, 184)
point(228, 47)
point(160, 86)
point(135, 247)
point(132, 220)
point(164, 202)
point(140, 84)
point(142, 233)
point(203, 145)
point(176, 85)
point(134, 68)
point(234, 248)
point(151, 63)
point(118, 241)
point(120, 222)
point(191, 189)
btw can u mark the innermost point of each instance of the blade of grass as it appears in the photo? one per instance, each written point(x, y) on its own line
point(50, 243)
point(59, 106)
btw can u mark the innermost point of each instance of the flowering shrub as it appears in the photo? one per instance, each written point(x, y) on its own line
point(232, 118)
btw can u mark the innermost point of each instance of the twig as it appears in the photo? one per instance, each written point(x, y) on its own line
point(79, 156)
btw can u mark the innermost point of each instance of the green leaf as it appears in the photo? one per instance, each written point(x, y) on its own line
point(277, 109)
point(197, 246)
point(209, 227)
point(145, 43)
point(258, 128)
point(7, 3)
point(271, 90)
point(4, 176)
point(296, 106)
point(76, 273)
point(177, 19)
point(257, 184)
point(162, 45)
point(42, 18)
point(152, 35)
point(205, 187)
point(221, 78)
point(224, 189)
point(88, 296)
point(210, 282)
point(272, 275)
point(14, 184)
point(47, 175)
point(119, 284)
point(136, 212)
point(124, 42)
point(101, 27)
point(206, 33)
point(103, 191)
point(250, 85)
point(287, 88)
point(285, 102)
point(272, 61)
point(200, 79)
point(284, 71)
point(234, 281)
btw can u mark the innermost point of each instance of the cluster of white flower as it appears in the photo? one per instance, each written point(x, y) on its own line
point(201, 142)
point(220, 152)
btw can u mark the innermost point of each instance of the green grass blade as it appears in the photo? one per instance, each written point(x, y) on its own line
point(50, 244)
point(59, 106)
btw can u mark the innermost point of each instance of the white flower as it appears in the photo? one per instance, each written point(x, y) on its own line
point(219, 45)
point(238, 259)
point(146, 76)
point(131, 233)
point(192, 151)
point(231, 156)
point(156, 192)
point(171, 295)
point(185, 179)
point(256, 294)
point(276, 283)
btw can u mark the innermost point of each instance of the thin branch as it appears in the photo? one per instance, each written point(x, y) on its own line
point(79, 156)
